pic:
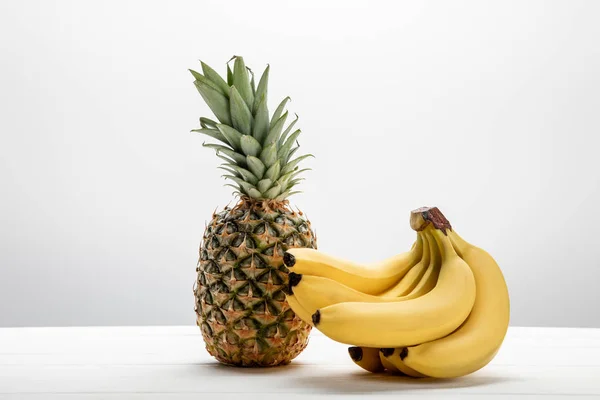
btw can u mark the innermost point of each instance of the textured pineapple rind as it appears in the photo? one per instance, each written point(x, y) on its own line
point(240, 301)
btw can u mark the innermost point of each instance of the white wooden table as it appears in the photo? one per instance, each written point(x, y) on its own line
point(171, 363)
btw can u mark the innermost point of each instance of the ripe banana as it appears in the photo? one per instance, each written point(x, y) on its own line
point(411, 322)
point(386, 363)
point(366, 357)
point(316, 292)
point(475, 343)
point(430, 278)
point(394, 357)
point(370, 279)
point(414, 275)
point(298, 309)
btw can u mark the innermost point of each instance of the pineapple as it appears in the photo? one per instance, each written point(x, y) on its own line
point(240, 301)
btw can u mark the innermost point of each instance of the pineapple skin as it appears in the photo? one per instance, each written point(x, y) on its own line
point(240, 305)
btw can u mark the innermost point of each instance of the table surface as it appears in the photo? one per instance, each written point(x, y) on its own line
point(170, 362)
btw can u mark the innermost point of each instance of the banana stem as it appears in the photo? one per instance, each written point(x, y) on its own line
point(422, 217)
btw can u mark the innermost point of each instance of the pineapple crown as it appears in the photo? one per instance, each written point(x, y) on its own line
point(256, 148)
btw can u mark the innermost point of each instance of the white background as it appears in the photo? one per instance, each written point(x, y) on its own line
point(488, 110)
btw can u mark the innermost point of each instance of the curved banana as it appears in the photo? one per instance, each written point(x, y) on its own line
point(298, 309)
point(370, 279)
point(413, 276)
point(410, 322)
point(475, 343)
point(316, 292)
point(366, 357)
point(382, 353)
point(430, 278)
point(394, 357)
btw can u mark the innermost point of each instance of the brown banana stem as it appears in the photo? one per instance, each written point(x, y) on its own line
point(421, 217)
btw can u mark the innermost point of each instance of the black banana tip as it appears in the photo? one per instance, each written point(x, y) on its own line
point(403, 353)
point(356, 353)
point(316, 317)
point(289, 260)
point(294, 279)
point(388, 351)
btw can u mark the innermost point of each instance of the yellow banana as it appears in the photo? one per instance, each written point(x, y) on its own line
point(370, 279)
point(413, 276)
point(316, 292)
point(475, 343)
point(298, 309)
point(410, 322)
point(366, 357)
point(386, 363)
point(394, 357)
point(430, 278)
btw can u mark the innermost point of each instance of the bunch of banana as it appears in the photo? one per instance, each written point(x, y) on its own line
point(439, 310)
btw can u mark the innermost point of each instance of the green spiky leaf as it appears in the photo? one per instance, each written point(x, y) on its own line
point(213, 133)
point(240, 113)
point(214, 77)
point(261, 121)
point(237, 191)
point(292, 164)
point(235, 156)
point(208, 123)
point(250, 146)
point(247, 175)
point(229, 76)
point(273, 171)
point(286, 194)
point(242, 82)
point(285, 149)
point(264, 185)
point(201, 78)
point(254, 193)
point(279, 111)
point(228, 156)
point(230, 170)
point(217, 102)
point(256, 166)
point(275, 130)
point(232, 136)
point(291, 153)
point(294, 182)
point(243, 184)
point(227, 160)
point(285, 178)
point(283, 136)
point(261, 90)
point(269, 155)
point(216, 147)
point(273, 192)
point(297, 172)
point(253, 86)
